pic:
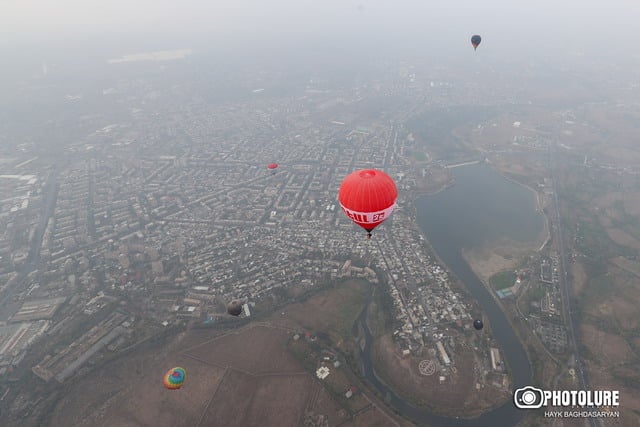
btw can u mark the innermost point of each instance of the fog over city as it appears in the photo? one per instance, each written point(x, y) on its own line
point(589, 25)
point(319, 212)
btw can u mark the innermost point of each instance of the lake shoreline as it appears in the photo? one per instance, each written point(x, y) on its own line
point(485, 225)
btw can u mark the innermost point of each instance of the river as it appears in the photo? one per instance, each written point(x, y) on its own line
point(482, 207)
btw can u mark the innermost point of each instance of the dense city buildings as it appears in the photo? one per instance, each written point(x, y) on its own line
point(169, 216)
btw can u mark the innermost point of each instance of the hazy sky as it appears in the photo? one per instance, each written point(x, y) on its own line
point(555, 38)
point(322, 33)
point(567, 20)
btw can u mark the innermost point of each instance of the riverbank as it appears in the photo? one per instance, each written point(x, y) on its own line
point(501, 255)
point(540, 204)
point(435, 179)
point(465, 393)
point(496, 226)
point(490, 259)
point(507, 254)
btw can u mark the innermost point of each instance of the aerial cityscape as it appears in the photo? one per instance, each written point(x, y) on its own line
point(173, 249)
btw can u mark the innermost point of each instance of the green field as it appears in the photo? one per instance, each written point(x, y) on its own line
point(502, 280)
point(419, 156)
point(351, 304)
point(536, 292)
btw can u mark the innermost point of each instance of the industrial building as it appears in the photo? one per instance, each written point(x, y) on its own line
point(245, 308)
point(443, 354)
point(496, 361)
point(38, 309)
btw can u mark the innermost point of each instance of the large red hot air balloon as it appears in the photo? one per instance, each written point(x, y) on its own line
point(368, 197)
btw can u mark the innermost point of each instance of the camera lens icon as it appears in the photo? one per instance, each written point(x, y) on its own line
point(528, 398)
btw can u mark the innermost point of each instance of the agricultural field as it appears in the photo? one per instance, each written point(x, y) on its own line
point(247, 376)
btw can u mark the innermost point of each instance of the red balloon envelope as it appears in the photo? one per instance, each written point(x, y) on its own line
point(368, 197)
point(272, 165)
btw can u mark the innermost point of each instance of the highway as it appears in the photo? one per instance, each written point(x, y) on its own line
point(564, 285)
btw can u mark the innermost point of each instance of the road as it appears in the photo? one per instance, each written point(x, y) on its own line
point(51, 191)
point(7, 304)
point(564, 285)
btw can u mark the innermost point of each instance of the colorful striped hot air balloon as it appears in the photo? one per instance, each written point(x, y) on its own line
point(174, 378)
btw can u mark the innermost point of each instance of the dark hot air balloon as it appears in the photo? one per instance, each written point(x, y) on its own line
point(475, 41)
point(234, 308)
point(478, 324)
point(174, 378)
point(368, 197)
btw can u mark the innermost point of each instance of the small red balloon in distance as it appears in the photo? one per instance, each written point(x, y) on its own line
point(272, 166)
point(368, 197)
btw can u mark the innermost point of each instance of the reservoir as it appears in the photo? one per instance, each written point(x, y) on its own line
point(482, 207)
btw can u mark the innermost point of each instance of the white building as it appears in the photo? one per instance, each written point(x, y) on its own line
point(247, 312)
point(496, 362)
point(322, 372)
point(443, 354)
